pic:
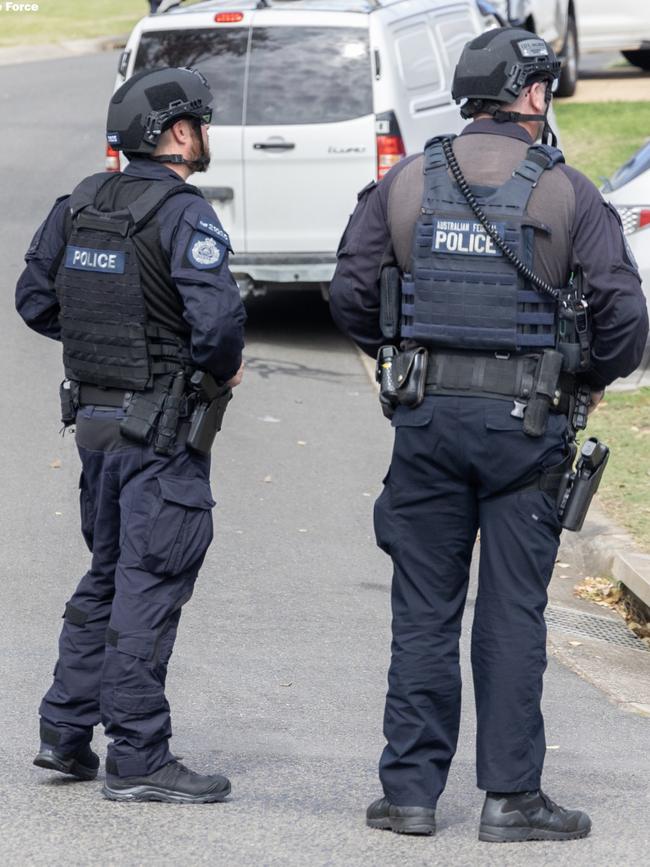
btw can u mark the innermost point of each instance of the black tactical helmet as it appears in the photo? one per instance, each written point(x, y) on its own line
point(498, 64)
point(150, 102)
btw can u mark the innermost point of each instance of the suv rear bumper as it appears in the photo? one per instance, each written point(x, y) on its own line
point(284, 267)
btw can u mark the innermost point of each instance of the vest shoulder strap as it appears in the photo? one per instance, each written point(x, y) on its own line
point(146, 205)
point(85, 193)
point(545, 154)
point(525, 177)
point(434, 157)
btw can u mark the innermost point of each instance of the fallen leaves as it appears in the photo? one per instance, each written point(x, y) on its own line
point(611, 595)
point(598, 590)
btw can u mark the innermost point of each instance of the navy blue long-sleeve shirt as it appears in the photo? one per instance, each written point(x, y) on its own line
point(212, 307)
point(612, 284)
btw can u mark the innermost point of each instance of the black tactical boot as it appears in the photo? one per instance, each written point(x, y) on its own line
point(173, 783)
point(522, 816)
point(403, 820)
point(83, 764)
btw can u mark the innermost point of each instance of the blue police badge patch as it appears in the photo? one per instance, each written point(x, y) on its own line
point(204, 251)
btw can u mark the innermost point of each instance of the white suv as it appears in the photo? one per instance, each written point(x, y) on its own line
point(312, 100)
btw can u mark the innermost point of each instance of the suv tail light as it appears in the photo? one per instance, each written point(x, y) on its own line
point(112, 159)
point(633, 218)
point(390, 146)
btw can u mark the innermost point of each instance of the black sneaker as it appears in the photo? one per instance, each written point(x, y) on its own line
point(402, 820)
point(523, 816)
point(173, 783)
point(83, 764)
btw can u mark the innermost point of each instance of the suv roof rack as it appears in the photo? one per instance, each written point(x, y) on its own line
point(322, 5)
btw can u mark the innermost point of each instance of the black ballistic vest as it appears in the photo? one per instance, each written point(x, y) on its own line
point(108, 338)
point(462, 292)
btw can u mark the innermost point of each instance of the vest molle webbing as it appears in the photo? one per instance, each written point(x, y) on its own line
point(106, 340)
point(462, 291)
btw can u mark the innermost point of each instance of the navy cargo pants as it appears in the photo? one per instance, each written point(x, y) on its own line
point(148, 523)
point(456, 464)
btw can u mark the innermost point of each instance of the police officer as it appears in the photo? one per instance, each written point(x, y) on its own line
point(481, 332)
point(130, 273)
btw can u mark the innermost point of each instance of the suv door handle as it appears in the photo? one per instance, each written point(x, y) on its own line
point(274, 146)
point(221, 194)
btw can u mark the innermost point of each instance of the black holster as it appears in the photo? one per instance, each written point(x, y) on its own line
point(211, 400)
point(579, 486)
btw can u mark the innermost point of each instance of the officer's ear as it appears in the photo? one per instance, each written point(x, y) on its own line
point(180, 133)
point(537, 97)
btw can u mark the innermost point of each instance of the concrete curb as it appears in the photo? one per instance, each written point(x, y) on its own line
point(600, 549)
point(16, 54)
point(604, 549)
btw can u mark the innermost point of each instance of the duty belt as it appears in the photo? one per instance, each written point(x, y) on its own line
point(116, 397)
point(501, 376)
point(93, 394)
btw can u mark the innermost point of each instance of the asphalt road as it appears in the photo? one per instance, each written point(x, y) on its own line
point(279, 672)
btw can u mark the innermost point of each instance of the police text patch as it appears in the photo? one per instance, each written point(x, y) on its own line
point(204, 251)
point(464, 236)
point(89, 259)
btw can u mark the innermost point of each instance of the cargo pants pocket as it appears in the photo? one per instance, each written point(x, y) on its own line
point(180, 527)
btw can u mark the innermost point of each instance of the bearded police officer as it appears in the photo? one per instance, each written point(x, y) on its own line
point(469, 259)
point(130, 273)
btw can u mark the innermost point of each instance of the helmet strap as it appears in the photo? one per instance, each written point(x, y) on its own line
point(516, 117)
point(199, 164)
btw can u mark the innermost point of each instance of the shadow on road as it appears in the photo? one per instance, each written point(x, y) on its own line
point(299, 318)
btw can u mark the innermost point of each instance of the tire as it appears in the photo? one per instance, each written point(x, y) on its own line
point(640, 58)
point(569, 74)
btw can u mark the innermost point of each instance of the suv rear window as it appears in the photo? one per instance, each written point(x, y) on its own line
point(297, 75)
point(304, 75)
point(220, 54)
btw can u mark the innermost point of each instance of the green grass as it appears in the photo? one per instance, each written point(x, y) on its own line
point(623, 422)
point(597, 137)
point(70, 19)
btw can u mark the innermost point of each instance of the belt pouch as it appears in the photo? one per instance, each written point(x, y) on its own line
point(143, 409)
point(69, 396)
point(410, 375)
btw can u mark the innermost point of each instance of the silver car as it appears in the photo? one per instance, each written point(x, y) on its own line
point(629, 191)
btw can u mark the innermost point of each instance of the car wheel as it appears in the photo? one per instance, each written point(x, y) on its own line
point(569, 75)
point(640, 58)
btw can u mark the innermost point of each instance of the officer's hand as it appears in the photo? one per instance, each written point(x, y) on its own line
point(237, 378)
point(596, 397)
